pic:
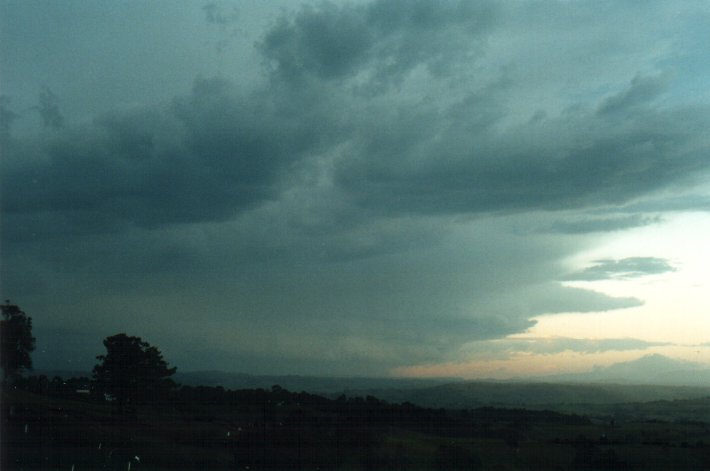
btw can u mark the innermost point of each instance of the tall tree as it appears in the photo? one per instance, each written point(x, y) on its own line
point(16, 341)
point(132, 371)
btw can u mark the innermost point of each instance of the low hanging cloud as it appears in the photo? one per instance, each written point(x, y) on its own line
point(627, 268)
point(509, 347)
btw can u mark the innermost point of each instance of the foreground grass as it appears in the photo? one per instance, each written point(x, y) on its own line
point(287, 431)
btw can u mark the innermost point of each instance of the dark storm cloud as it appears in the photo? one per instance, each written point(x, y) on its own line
point(384, 39)
point(414, 153)
point(49, 109)
point(7, 116)
point(574, 161)
point(633, 267)
point(225, 18)
point(353, 202)
point(205, 157)
point(220, 14)
point(584, 225)
point(692, 202)
point(640, 92)
point(218, 151)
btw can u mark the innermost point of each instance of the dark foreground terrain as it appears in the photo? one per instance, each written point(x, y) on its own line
point(217, 429)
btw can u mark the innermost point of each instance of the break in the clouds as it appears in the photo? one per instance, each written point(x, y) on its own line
point(341, 187)
point(626, 268)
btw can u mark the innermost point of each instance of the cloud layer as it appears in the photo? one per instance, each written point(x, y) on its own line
point(632, 267)
point(400, 179)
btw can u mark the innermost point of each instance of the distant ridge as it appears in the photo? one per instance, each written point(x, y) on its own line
point(64, 374)
point(649, 378)
point(536, 395)
point(295, 383)
point(312, 384)
point(652, 369)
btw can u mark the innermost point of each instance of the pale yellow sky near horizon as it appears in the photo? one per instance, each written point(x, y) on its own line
point(675, 310)
point(676, 304)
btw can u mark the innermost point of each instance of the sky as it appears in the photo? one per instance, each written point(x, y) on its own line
point(385, 188)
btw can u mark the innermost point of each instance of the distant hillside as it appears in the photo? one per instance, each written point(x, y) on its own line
point(471, 394)
point(650, 369)
point(648, 379)
point(684, 410)
point(66, 374)
point(313, 384)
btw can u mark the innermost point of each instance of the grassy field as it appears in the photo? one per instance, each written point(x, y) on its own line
point(281, 430)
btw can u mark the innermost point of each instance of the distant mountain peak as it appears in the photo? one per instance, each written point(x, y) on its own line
point(656, 360)
point(653, 368)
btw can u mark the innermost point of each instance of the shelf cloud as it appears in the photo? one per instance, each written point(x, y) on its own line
point(341, 187)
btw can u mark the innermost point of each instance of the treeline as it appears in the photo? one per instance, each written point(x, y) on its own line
point(76, 387)
point(274, 428)
point(367, 409)
point(130, 412)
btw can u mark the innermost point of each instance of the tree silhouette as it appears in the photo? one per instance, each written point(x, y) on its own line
point(132, 371)
point(16, 341)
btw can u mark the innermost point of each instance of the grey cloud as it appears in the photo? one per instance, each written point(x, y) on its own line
point(206, 157)
point(691, 202)
point(641, 91)
point(130, 135)
point(574, 161)
point(504, 348)
point(325, 43)
point(584, 225)
point(361, 203)
point(383, 39)
point(226, 18)
point(445, 147)
point(633, 267)
point(558, 299)
point(270, 290)
point(7, 116)
point(220, 14)
point(49, 109)
point(64, 348)
point(217, 151)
